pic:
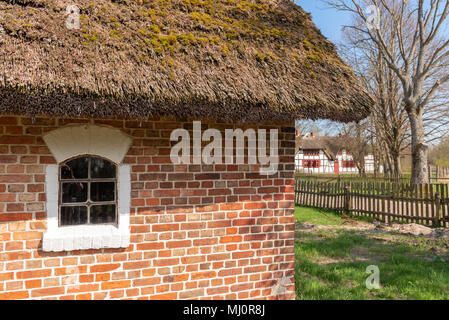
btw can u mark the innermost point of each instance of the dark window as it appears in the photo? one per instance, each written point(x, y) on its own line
point(88, 191)
point(348, 164)
point(311, 163)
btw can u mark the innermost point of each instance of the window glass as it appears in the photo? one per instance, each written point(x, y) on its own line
point(75, 169)
point(73, 216)
point(102, 191)
point(102, 214)
point(74, 192)
point(101, 168)
point(88, 191)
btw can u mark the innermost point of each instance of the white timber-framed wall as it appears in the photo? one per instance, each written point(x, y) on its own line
point(327, 165)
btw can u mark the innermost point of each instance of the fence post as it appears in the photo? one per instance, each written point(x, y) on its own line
point(437, 219)
point(348, 204)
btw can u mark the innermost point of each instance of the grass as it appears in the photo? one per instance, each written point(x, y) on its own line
point(318, 216)
point(331, 261)
point(325, 177)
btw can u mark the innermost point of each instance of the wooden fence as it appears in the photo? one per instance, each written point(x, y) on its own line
point(425, 204)
point(438, 173)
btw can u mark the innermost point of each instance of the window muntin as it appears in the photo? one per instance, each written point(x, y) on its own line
point(88, 191)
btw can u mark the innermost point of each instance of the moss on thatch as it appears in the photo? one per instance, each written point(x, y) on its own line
point(230, 59)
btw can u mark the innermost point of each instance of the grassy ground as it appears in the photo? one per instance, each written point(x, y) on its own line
point(323, 177)
point(332, 257)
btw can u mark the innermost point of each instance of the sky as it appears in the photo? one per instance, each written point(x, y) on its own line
point(328, 20)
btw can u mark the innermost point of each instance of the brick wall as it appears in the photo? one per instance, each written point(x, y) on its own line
point(197, 231)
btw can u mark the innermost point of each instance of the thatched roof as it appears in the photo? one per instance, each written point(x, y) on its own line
point(330, 145)
point(248, 60)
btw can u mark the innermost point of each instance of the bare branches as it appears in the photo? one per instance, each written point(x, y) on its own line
point(410, 43)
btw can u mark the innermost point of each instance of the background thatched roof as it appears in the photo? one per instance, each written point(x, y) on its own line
point(331, 145)
point(235, 60)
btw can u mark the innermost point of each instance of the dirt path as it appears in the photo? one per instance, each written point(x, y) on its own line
point(412, 229)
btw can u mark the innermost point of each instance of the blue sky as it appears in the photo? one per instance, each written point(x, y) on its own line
point(328, 20)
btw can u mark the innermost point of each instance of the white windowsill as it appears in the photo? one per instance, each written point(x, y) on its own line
point(85, 237)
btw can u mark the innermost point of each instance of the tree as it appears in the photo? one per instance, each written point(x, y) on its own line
point(388, 120)
point(439, 154)
point(356, 141)
point(419, 58)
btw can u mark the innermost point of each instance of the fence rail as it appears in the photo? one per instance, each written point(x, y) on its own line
point(424, 203)
point(436, 174)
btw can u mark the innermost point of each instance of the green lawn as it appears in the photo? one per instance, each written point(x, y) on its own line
point(331, 262)
point(317, 216)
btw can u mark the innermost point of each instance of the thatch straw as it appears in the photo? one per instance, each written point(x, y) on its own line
point(229, 59)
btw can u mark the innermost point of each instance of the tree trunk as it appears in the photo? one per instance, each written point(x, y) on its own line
point(419, 149)
point(388, 168)
point(396, 165)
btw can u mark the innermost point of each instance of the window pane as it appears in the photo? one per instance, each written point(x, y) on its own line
point(102, 191)
point(101, 168)
point(73, 216)
point(75, 169)
point(74, 192)
point(102, 214)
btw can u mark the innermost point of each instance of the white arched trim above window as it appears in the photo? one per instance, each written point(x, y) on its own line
point(72, 141)
point(69, 142)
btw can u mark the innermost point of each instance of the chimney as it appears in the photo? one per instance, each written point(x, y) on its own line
point(298, 133)
point(313, 134)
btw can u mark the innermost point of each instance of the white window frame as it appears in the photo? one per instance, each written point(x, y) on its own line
point(72, 141)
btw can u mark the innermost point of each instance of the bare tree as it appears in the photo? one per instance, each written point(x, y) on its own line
point(388, 125)
point(356, 141)
point(420, 59)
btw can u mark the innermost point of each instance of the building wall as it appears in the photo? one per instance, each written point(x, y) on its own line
point(344, 156)
point(327, 165)
point(197, 231)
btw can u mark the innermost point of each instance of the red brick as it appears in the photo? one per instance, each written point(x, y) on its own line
point(16, 178)
point(179, 244)
point(15, 295)
point(33, 274)
point(115, 284)
point(17, 140)
point(51, 291)
point(32, 284)
point(8, 120)
point(7, 197)
point(27, 235)
point(165, 296)
point(104, 267)
point(203, 275)
point(230, 239)
point(8, 159)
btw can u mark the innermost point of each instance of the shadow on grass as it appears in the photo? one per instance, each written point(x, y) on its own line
point(333, 265)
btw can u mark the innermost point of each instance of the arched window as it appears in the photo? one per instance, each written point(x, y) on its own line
point(87, 191)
